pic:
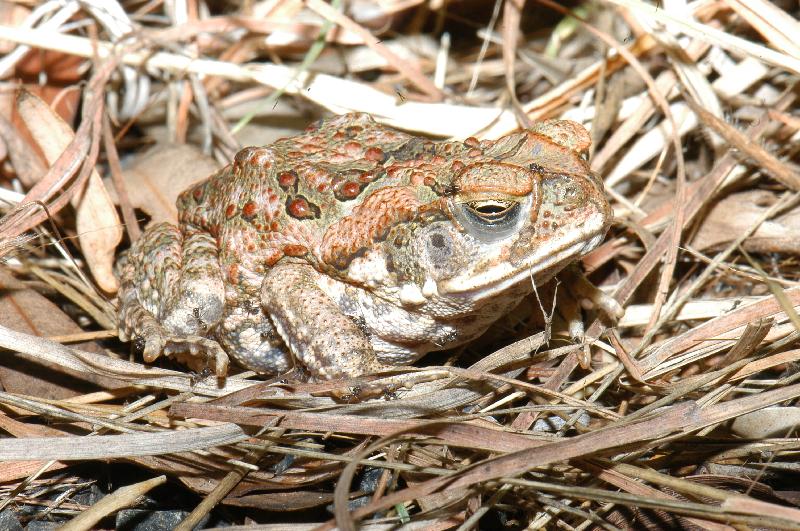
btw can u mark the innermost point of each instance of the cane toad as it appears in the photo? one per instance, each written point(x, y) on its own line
point(354, 246)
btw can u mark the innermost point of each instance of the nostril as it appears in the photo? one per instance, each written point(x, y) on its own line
point(572, 197)
point(437, 240)
point(564, 193)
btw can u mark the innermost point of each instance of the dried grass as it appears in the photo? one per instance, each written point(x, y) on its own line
point(683, 414)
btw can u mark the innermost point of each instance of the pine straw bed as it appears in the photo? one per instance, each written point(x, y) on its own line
point(681, 415)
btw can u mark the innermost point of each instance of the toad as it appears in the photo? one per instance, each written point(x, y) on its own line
point(353, 246)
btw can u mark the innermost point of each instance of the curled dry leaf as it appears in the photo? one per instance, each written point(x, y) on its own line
point(774, 421)
point(97, 222)
point(719, 227)
point(156, 177)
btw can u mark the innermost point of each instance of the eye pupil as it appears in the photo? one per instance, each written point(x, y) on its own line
point(490, 219)
point(491, 211)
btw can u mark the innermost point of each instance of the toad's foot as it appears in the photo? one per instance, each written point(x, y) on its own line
point(171, 295)
point(197, 352)
point(590, 297)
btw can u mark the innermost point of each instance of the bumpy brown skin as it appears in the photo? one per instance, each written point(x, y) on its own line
point(353, 246)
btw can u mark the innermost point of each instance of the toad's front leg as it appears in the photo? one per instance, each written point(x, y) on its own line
point(329, 343)
point(171, 294)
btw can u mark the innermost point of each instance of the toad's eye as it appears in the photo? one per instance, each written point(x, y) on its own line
point(490, 219)
point(493, 212)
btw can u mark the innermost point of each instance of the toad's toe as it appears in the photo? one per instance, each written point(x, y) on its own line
point(198, 353)
point(153, 345)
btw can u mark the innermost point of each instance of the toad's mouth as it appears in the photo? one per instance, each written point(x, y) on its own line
point(540, 266)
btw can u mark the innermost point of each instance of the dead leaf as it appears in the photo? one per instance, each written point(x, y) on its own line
point(24, 310)
point(56, 187)
point(281, 501)
point(99, 231)
point(156, 177)
point(14, 470)
point(768, 422)
point(736, 213)
point(27, 163)
point(63, 73)
point(98, 225)
point(11, 14)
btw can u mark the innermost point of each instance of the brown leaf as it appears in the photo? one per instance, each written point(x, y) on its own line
point(14, 470)
point(157, 176)
point(282, 501)
point(773, 421)
point(469, 435)
point(28, 164)
point(63, 73)
point(11, 14)
point(736, 213)
point(27, 311)
point(98, 225)
point(56, 187)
